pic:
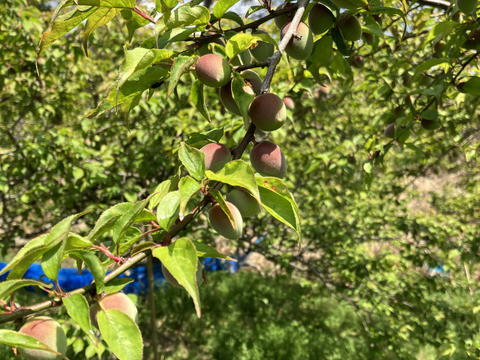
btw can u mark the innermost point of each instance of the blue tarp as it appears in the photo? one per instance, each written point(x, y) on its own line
point(69, 279)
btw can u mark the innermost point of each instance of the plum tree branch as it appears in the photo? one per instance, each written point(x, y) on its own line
point(275, 58)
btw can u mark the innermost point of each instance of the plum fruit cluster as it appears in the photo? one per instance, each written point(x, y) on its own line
point(267, 111)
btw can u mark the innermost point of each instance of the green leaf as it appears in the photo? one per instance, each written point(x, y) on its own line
point(240, 42)
point(39, 246)
point(196, 95)
point(425, 65)
point(217, 195)
point(164, 6)
point(193, 160)
point(180, 259)
point(236, 173)
point(168, 209)
point(25, 257)
point(121, 334)
point(78, 309)
point(180, 66)
point(368, 166)
point(139, 59)
point(230, 15)
point(279, 202)
point(14, 338)
point(7, 287)
point(241, 97)
point(75, 241)
point(95, 266)
point(187, 188)
point(204, 250)
point(99, 18)
point(63, 24)
point(52, 260)
point(116, 285)
point(132, 235)
point(188, 15)
point(471, 86)
point(161, 190)
point(134, 22)
point(441, 30)
point(121, 4)
point(222, 6)
point(131, 90)
point(107, 220)
point(127, 219)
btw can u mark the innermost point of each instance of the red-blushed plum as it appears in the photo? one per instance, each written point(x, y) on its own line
point(267, 159)
point(267, 112)
point(216, 156)
point(49, 332)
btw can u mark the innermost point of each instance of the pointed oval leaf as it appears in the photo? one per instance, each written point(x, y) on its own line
point(161, 190)
point(9, 286)
point(236, 173)
point(180, 66)
point(180, 259)
point(196, 95)
point(78, 309)
point(204, 250)
point(279, 202)
point(95, 266)
point(168, 209)
point(187, 188)
point(14, 338)
point(193, 160)
point(121, 334)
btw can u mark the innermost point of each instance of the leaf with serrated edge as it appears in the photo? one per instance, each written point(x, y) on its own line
point(116, 285)
point(188, 15)
point(279, 202)
point(180, 259)
point(217, 195)
point(193, 160)
point(63, 24)
point(168, 209)
point(196, 95)
point(187, 188)
point(14, 338)
point(161, 190)
point(34, 246)
point(222, 6)
point(78, 309)
point(236, 173)
point(107, 220)
point(121, 334)
point(95, 266)
point(127, 219)
point(180, 66)
point(9, 286)
point(98, 18)
point(204, 250)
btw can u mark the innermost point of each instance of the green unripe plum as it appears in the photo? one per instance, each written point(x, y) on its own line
point(350, 27)
point(253, 83)
point(467, 6)
point(390, 131)
point(118, 301)
point(300, 45)
point(268, 160)
point(221, 224)
point(288, 101)
point(171, 280)
point(216, 156)
point(49, 332)
point(263, 50)
point(213, 70)
point(320, 19)
point(245, 203)
point(267, 112)
point(281, 20)
point(242, 58)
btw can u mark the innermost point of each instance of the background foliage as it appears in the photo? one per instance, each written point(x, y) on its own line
point(378, 215)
